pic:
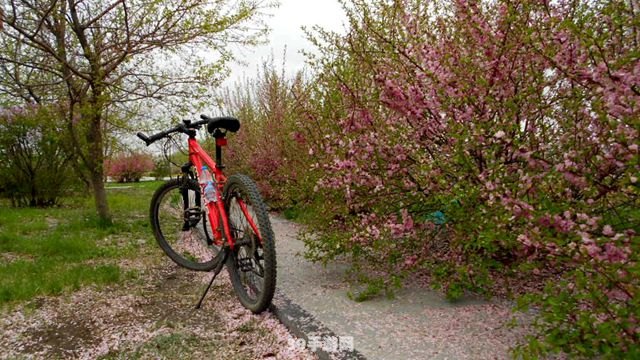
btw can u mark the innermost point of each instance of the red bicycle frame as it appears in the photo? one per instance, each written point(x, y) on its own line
point(216, 211)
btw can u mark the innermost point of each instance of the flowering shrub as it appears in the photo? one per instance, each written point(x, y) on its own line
point(269, 148)
point(129, 168)
point(494, 144)
point(36, 167)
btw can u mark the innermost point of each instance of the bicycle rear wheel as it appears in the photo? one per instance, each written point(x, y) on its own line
point(180, 225)
point(252, 264)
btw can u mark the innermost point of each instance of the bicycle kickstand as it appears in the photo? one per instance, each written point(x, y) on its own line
point(223, 258)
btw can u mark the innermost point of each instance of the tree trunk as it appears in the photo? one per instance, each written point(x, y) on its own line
point(100, 196)
point(96, 162)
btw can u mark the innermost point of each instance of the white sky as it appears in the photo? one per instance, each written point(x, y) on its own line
point(286, 31)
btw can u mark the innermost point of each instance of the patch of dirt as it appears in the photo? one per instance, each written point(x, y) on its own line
point(66, 336)
point(9, 257)
point(153, 316)
point(52, 223)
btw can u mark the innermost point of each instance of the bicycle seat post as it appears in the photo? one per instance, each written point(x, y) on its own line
point(220, 142)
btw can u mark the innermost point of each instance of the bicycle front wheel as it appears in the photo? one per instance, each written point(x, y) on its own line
point(252, 264)
point(180, 225)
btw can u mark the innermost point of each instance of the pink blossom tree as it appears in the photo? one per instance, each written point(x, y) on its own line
point(129, 168)
point(510, 126)
point(269, 148)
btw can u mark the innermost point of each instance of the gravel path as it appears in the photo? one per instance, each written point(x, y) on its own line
point(417, 324)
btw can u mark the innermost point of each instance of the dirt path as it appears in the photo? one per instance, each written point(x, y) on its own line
point(152, 316)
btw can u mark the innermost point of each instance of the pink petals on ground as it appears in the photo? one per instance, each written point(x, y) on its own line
point(141, 317)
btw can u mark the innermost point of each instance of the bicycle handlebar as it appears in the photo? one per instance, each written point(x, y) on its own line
point(185, 127)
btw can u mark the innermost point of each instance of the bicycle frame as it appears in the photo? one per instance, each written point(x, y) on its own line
point(216, 211)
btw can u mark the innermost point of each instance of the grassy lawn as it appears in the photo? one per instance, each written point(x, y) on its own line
point(50, 251)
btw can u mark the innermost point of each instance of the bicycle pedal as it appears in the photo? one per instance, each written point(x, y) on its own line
point(192, 216)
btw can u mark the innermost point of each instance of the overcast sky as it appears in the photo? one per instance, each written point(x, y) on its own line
point(286, 31)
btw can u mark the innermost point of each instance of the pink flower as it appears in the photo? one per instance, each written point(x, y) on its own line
point(614, 254)
point(299, 137)
point(499, 135)
point(608, 231)
point(545, 221)
point(524, 240)
point(593, 250)
point(563, 225)
point(373, 231)
point(617, 294)
point(407, 221)
point(577, 181)
point(410, 260)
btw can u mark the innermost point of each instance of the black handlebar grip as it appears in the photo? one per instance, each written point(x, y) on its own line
point(144, 138)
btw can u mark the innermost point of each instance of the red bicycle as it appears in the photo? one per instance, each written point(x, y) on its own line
point(204, 220)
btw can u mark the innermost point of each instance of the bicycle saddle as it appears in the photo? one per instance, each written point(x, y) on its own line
point(223, 122)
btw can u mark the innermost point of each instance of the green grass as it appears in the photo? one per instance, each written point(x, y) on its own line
point(22, 280)
point(50, 251)
point(302, 213)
